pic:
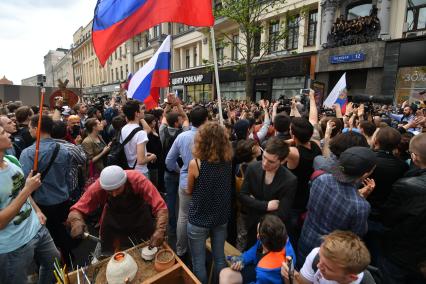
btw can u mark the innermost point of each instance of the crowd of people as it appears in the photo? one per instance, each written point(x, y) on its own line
point(307, 195)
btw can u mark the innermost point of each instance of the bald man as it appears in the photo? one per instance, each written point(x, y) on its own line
point(73, 130)
point(404, 215)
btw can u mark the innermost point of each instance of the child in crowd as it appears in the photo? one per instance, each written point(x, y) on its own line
point(262, 262)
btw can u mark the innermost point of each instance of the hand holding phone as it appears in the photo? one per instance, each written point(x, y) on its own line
point(290, 269)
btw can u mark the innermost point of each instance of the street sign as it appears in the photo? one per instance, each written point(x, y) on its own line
point(346, 58)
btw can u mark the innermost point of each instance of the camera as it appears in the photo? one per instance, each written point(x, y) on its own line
point(304, 91)
point(285, 104)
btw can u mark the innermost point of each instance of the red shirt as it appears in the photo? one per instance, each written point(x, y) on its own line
point(141, 186)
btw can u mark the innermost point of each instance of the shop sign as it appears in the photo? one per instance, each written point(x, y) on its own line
point(347, 58)
point(186, 80)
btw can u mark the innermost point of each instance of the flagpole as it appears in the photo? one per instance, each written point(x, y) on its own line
point(35, 166)
point(216, 73)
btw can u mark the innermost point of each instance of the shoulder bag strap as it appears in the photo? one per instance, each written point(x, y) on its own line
point(133, 133)
point(52, 159)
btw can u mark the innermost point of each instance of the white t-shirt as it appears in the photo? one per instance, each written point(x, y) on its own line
point(316, 277)
point(131, 148)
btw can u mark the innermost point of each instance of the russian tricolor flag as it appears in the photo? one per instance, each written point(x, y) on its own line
point(338, 95)
point(146, 83)
point(116, 21)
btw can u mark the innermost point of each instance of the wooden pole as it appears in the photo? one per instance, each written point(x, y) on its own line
point(35, 167)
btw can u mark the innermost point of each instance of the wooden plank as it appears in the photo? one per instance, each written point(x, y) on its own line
point(229, 249)
point(172, 270)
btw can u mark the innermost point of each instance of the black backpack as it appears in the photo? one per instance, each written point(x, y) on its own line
point(116, 155)
point(168, 142)
point(372, 275)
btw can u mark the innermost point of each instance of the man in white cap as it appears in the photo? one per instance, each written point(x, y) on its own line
point(132, 209)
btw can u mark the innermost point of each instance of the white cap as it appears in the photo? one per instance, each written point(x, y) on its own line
point(112, 178)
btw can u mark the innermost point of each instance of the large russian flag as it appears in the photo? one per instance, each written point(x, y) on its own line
point(116, 21)
point(146, 83)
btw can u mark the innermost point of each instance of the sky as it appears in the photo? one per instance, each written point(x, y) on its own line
point(30, 28)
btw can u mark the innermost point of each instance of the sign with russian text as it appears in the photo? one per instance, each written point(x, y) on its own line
point(347, 58)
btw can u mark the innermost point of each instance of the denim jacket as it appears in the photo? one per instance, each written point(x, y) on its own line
point(55, 187)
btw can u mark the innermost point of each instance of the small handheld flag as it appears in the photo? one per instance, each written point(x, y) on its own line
point(338, 95)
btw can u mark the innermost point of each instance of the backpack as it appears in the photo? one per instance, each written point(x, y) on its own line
point(372, 275)
point(168, 142)
point(116, 155)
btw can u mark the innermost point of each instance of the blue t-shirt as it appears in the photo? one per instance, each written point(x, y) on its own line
point(25, 225)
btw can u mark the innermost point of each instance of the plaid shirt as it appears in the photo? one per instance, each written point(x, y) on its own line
point(333, 206)
point(78, 159)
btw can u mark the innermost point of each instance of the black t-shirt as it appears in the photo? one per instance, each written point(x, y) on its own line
point(303, 172)
point(154, 146)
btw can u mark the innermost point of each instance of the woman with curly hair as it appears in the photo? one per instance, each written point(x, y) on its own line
point(209, 183)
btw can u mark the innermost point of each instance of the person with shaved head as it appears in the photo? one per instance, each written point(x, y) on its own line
point(74, 130)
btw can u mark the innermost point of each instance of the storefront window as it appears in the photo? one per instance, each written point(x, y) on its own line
point(287, 87)
point(233, 90)
point(359, 9)
point(199, 93)
point(411, 84)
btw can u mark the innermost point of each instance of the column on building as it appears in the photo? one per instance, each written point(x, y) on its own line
point(303, 23)
point(129, 54)
point(328, 17)
point(181, 59)
point(200, 53)
point(384, 12)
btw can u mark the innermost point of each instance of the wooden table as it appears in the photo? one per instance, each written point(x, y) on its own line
point(178, 273)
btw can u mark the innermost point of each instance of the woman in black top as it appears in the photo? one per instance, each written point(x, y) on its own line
point(209, 182)
point(154, 146)
point(300, 162)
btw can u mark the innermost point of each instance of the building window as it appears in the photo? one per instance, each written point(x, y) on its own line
point(235, 42)
point(115, 54)
point(358, 9)
point(293, 32)
point(180, 28)
point(257, 43)
point(170, 28)
point(195, 57)
point(127, 70)
point(416, 15)
point(146, 40)
point(121, 73)
point(157, 31)
point(219, 54)
point(274, 30)
point(187, 59)
point(116, 74)
point(312, 28)
point(121, 54)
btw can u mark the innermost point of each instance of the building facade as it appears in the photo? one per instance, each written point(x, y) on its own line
point(366, 39)
point(381, 56)
point(36, 80)
point(51, 59)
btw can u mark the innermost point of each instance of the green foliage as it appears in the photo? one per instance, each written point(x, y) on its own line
point(252, 17)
